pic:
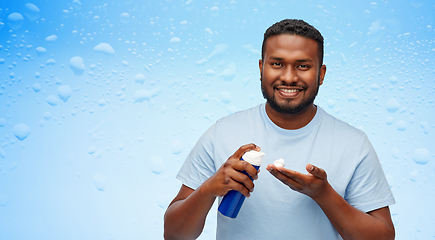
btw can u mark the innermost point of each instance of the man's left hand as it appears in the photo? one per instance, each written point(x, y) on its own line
point(313, 184)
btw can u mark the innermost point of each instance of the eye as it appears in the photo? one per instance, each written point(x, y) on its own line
point(304, 66)
point(276, 64)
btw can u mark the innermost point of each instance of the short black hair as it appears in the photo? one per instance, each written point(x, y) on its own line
point(295, 27)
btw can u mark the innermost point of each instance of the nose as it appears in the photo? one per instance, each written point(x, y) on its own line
point(289, 74)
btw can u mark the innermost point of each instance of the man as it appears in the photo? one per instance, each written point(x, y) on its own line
point(351, 201)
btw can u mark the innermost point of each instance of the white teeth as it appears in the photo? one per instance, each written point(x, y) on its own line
point(289, 90)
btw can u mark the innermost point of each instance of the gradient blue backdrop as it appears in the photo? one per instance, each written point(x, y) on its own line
point(101, 101)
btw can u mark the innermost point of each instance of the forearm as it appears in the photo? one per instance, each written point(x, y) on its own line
point(350, 222)
point(185, 218)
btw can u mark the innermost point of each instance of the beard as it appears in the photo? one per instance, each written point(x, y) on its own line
point(289, 107)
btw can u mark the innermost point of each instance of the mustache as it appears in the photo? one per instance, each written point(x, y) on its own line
point(284, 84)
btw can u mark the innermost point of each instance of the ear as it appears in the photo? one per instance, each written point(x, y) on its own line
point(260, 65)
point(322, 74)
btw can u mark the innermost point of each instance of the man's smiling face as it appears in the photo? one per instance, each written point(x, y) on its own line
point(290, 73)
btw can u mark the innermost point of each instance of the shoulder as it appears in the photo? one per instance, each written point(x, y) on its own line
point(339, 126)
point(241, 117)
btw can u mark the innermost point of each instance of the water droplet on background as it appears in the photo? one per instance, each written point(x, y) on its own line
point(102, 102)
point(47, 116)
point(52, 100)
point(64, 92)
point(352, 97)
point(21, 131)
point(184, 24)
point(125, 18)
point(226, 97)
point(421, 156)
point(36, 87)
point(425, 127)
point(393, 80)
point(2, 122)
point(157, 164)
point(214, 11)
point(142, 94)
point(40, 51)
point(401, 125)
point(177, 147)
point(51, 38)
point(2, 153)
point(31, 11)
point(92, 150)
point(77, 4)
point(395, 153)
point(393, 105)
point(330, 103)
point(104, 48)
point(139, 78)
point(76, 65)
point(414, 175)
point(100, 181)
point(15, 20)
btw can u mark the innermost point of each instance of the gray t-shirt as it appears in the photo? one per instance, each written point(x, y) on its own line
point(274, 211)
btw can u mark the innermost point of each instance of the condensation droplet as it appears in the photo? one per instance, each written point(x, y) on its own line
point(77, 4)
point(104, 48)
point(139, 78)
point(421, 156)
point(177, 147)
point(51, 38)
point(210, 72)
point(125, 18)
point(374, 87)
point(40, 51)
point(414, 175)
point(352, 97)
point(2, 153)
point(31, 11)
point(92, 149)
point(157, 164)
point(229, 73)
point(52, 100)
point(184, 24)
point(76, 65)
point(389, 120)
point(425, 127)
point(21, 131)
point(393, 105)
point(102, 102)
point(142, 94)
point(401, 125)
point(36, 87)
point(175, 40)
point(47, 116)
point(226, 97)
point(15, 20)
point(330, 103)
point(214, 11)
point(395, 153)
point(100, 181)
point(393, 80)
point(64, 92)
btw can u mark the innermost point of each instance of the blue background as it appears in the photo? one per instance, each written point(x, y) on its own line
point(90, 150)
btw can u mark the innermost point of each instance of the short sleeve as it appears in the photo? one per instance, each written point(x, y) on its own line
point(199, 164)
point(368, 189)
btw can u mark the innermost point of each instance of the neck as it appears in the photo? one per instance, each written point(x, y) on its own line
point(291, 121)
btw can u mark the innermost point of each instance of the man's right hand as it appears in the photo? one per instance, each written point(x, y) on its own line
point(230, 176)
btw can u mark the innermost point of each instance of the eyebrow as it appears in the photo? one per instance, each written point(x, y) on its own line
point(299, 60)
